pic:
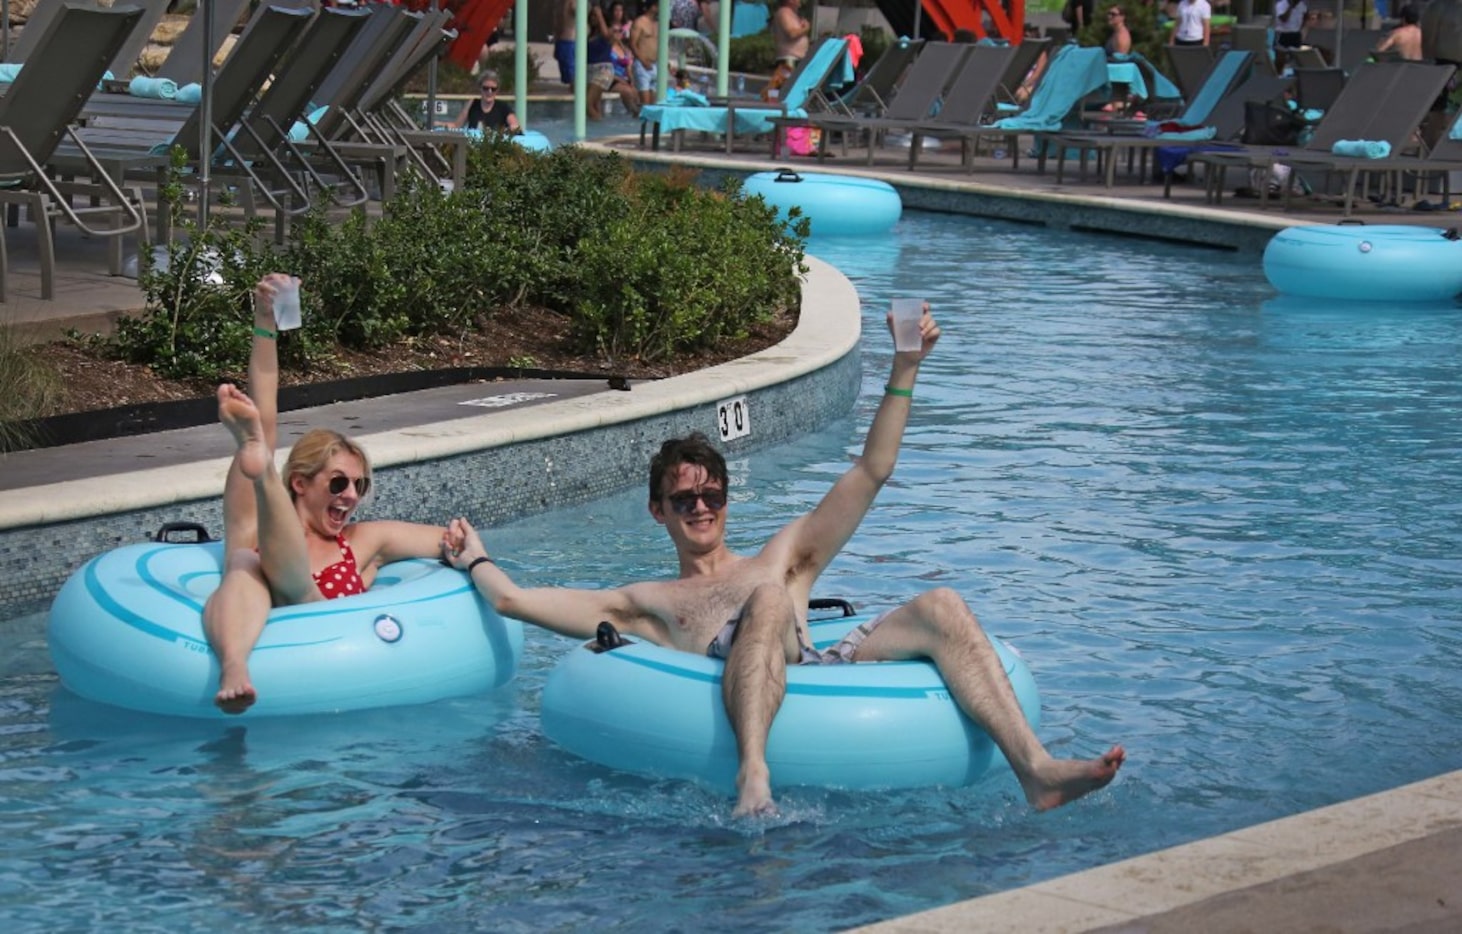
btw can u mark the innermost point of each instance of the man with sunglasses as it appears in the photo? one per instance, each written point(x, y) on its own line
point(288, 536)
point(751, 610)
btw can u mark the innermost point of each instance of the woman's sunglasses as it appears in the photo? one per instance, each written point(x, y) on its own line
point(339, 482)
point(490, 87)
point(684, 503)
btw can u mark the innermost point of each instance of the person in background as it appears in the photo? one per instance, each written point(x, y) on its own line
point(1405, 39)
point(790, 37)
point(564, 34)
point(1194, 23)
point(1290, 18)
point(1119, 41)
point(684, 13)
point(488, 113)
point(644, 45)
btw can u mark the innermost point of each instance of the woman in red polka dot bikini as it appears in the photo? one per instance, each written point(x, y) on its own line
point(289, 539)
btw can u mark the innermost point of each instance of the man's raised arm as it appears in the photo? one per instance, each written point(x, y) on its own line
point(823, 532)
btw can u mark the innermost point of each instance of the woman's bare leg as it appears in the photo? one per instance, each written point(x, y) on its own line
point(236, 612)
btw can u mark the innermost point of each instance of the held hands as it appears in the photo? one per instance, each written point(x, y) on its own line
point(266, 288)
point(461, 544)
point(928, 333)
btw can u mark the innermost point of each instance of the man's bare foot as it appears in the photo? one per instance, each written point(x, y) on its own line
point(239, 415)
point(754, 795)
point(1061, 781)
point(235, 693)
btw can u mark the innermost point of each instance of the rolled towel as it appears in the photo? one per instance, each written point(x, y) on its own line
point(9, 71)
point(157, 88)
point(189, 94)
point(1362, 148)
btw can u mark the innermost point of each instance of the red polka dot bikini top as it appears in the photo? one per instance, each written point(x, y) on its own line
point(342, 578)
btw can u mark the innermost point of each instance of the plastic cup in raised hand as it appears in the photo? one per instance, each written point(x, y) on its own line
point(907, 313)
point(287, 305)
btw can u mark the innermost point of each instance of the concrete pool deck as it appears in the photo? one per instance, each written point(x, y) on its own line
point(1390, 861)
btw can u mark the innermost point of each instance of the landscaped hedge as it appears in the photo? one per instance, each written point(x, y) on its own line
point(642, 266)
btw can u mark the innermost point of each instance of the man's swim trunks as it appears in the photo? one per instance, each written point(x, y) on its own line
point(342, 578)
point(840, 653)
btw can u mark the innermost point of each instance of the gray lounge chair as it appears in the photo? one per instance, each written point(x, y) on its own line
point(121, 64)
point(266, 155)
point(1132, 137)
point(1381, 102)
point(870, 97)
point(126, 57)
point(184, 63)
point(1444, 158)
point(916, 100)
point(129, 146)
point(1026, 55)
point(68, 58)
point(1191, 65)
point(970, 102)
point(386, 53)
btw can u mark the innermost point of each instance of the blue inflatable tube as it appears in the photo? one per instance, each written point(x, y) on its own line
point(1381, 263)
point(836, 205)
point(127, 629)
point(655, 711)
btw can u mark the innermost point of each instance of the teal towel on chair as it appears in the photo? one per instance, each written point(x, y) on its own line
point(189, 94)
point(675, 97)
point(1362, 148)
point(157, 88)
point(9, 71)
point(1073, 73)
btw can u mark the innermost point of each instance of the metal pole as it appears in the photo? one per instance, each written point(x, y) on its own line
point(520, 61)
point(431, 79)
point(662, 52)
point(205, 124)
point(918, 14)
point(581, 68)
point(723, 48)
point(5, 26)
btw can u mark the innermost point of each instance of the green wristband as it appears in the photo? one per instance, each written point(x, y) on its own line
point(264, 332)
point(895, 391)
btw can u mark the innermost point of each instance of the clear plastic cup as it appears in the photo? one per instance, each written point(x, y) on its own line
point(287, 304)
point(907, 313)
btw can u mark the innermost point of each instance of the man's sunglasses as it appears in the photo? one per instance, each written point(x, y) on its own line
point(339, 482)
point(684, 503)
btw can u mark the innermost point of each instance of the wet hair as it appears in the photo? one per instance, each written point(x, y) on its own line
point(1409, 15)
point(313, 451)
point(694, 449)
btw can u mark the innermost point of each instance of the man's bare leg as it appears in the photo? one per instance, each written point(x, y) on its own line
point(752, 687)
point(938, 625)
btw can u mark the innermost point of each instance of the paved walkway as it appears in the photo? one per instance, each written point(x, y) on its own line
point(1387, 862)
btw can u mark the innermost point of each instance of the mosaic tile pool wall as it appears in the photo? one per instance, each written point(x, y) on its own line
point(490, 486)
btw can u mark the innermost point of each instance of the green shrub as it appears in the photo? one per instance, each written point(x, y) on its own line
point(683, 269)
point(641, 265)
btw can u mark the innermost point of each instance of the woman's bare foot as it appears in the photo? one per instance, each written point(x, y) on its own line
point(1061, 781)
point(239, 415)
point(235, 693)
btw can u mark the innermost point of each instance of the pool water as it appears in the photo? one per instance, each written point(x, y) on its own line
point(1222, 529)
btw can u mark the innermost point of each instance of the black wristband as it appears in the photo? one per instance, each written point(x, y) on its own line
point(472, 565)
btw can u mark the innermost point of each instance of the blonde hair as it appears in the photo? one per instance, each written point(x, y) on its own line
point(313, 451)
